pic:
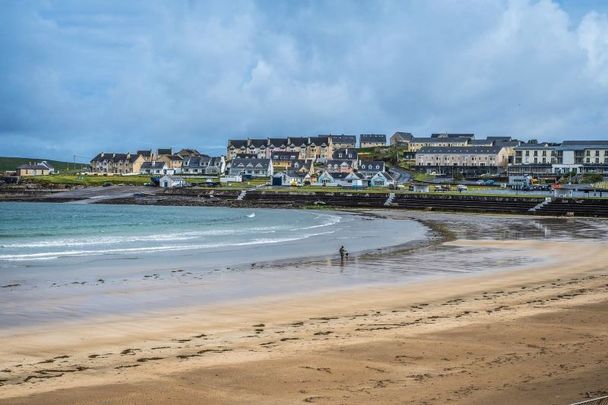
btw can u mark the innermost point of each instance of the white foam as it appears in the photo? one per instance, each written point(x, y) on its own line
point(143, 249)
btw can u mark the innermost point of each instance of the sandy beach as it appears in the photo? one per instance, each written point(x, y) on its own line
point(532, 334)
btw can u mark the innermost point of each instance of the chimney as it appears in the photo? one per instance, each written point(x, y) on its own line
point(101, 154)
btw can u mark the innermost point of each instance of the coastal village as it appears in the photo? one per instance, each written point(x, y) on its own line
point(369, 160)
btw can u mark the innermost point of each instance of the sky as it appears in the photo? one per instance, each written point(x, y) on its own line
point(78, 77)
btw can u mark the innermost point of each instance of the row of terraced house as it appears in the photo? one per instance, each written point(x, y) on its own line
point(159, 162)
point(319, 148)
point(447, 153)
point(323, 160)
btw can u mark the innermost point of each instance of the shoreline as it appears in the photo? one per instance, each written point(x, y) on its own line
point(298, 328)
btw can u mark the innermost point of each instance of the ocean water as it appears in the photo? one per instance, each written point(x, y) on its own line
point(42, 235)
point(63, 262)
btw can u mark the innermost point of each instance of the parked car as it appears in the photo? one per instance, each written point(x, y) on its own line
point(489, 183)
point(480, 182)
point(461, 188)
point(106, 184)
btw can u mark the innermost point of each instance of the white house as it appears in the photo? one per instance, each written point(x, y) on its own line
point(369, 168)
point(251, 167)
point(382, 179)
point(204, 165)
point(169, 181)
point(355, 180)
point(157, 168)
point(330, 179)
point(35, 169)
point(290, 178)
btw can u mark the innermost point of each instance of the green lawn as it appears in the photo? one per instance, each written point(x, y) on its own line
point(423, 177)
point(11, 163)
point(70, 179)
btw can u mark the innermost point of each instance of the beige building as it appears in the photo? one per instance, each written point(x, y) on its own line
point(464, 159)
point(343, 141)
point(117, 163)
point(35, 169)
point(372, 140)
point(313, 147)
point(448, 142)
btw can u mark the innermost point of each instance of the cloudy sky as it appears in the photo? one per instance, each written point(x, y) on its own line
point(77, 77)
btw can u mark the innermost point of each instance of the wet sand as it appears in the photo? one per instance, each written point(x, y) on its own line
point(531, 335)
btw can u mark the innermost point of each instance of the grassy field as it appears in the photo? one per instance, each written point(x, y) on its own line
point(423, 177)
point(140, 180)
point(11, 163)
point(69, 179)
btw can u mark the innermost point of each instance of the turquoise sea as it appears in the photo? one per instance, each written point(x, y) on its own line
point(38, 234)
point(67, 261)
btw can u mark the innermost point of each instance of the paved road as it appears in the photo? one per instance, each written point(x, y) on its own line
point(401, 175)
point(93, 194)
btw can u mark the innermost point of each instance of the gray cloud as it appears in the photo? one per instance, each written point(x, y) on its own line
point(80, 77)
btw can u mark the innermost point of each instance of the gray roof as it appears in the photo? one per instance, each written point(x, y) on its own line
point(440, 140)
point(507, 144)
point(338, 176)
point(462, 150)
point(543, 145)
point(452, 135)
point(152, 165)
point(481, 142)
point(196, 161)
point(387, 175)
point(35, 166)
point(582, 145)
point(246, 156)
point(403, 135)
point(349, 139)
point(298, 141)
point(165, 151)
point(258, 143)
point(372, 137)
point(246, 162)
point(277, 142)
point(237, 143)
point(345, 153)
point(319, 140)
point(115, 157)
point(370, 165)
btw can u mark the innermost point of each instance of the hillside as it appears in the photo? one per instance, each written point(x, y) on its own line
point(10, 163)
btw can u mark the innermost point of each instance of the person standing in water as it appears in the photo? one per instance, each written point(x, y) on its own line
point(343, 253)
